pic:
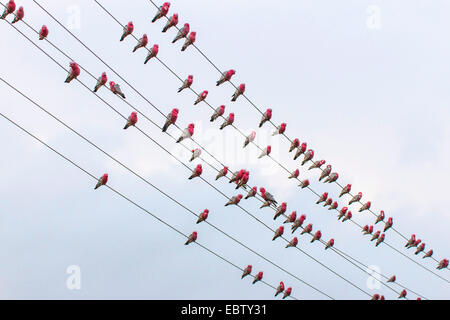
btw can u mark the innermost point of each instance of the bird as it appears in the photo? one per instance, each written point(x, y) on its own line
point(392, 279)
point(380, 217)
point(325, 173)
point(186, 83)
point(228, 121)
point(380, 239)
point(402, 294)
point(43, 33)
point(115, 88)
point(226, 76)
point(192, 237)
point(237, 175)
point(280, 210)
point(280, 129)
point(342, 212)
point(182, 33)
point(294, 144)
point(411, 241)
point(10, 8)
point(162, 11)
point(348, 216)
point(365, 206)
point(172, 22)
point(101, 81)
point(218, 113)
point(345, 190)
point(367, 230)
point(420, 248)
point(247, 271)
point(132, 120)
point(73, 73)
point(333, 206)
point(388, 224)
point(251, 193)
point(330, 243)
point(195, 154)
point(153, 52)
point(280, 288)
point(258, 277)
point(287, 293)
point(196, 172)
point(266, 117)
point(189, 40)
point(187, 133)
point(20, 13)
point(300, 150)
point(328, 202)
point(222, 173)
point(442, 264)
point(265, 152)
point(243, 181)
point(278, 233)
point(355, 198)
point(298, 223)
point(141, 43)
point(304, 183)
point(239, 91)
point(376, 296)
point(332, 177)
point(267, 196)
point(170, 119)
point(203, 216)
point(322, 198)
point(307, 229)
point(428, 254)
point(101, 181)
point(317, 164)
point(308, 156)
point(127, 30)
point(375, 236)
point(292, 243)
point(249, 138)
point(202, 96)
point(234, 200)
point(294, 174)
point(316, 236)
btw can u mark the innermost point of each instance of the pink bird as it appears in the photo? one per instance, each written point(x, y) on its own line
point(294, 144)
point(152, 53)
point(162, 11)
point(428, 254)
point(280, 129)
point(342, 212)
point(170, 119)
point(298, 223)
point(101, 81)
point(115, 88)
point(380, 240)
point(239, 91)
point(195, 154)
point(307, 229)
point(348, 216)
point(191, 238)
point(280, 210)
point(295, 174)
point(222, 173)
point(73, 73)
point(243, 181)
point(330, 243)
point(292, 243)
point(43, 33)
point(202, 96)
point(228, 121)
point(317, 164)
point(316, 236)
point(300, 150)
point(217, 113)
point(333, 206)
point(365, 206)
point(172, 22)
point(356, 198)
point(376, 235)
point(287, 293)
point(247, 271)
point(411, 241)
point(10, 8)
point(402, 294)
point(367, 230)
point(325, 172)
point(280, 289)
point(182, 33)
point(415, 244)
point(380, 217)
point(376, 296)
point(392, 279)
point(442, 264)
point(291, 217)
point(197, 172)
point(127, 30)
point(322, 198)
point(328, 202)
point(234, 200)
point(187, 133)
point(226, 76)
point(237, 175)
point(251, 193)
point(102, 181)
point(278, 233)
point(332, 177)
point(420, 248)
point(132, 120)
point(267, 196)
point(382, 297)
point(388, 224)
point(141, 43)
point(345, 190)
point(304, 184)
point(186, 83)
point(249, 138)
point(203, 216)
point(189, 40)
point(265, 152)
point(258, 277)
point(266, 117)
point(308, 156)
point(20, 13)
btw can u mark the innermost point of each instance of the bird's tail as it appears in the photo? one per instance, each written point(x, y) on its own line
point(164, 129)
point(135, 48)
point(122, 37)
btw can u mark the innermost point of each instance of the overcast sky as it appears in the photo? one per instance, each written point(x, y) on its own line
point(365, 84)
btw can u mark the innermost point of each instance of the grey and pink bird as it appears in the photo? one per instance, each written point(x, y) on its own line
point(222, 173)
point(10, 8)
point(127, 30)
point(380, 217)
point(308, 156)
point(291, 218)
point(218, 113)
point(428, 254)
point(380, 239)
point(172, 22)
point(345, 190)
point(192, 238)
point(317, 164)
point(278, 233)
point(195, 154)
point(322, 198)
point(228, 121)
point(267, 196)
point(203, 216)
point(280, 129)
point(102, 181)
point(325, 172)
point(307, 229)
point(43, 33)
point(251, 193)
point(294, 144)
point(355, 198)
point(187, 133)
point(298, 223)
point(316, 236)
point(292, 243)
point(202, 96)
point(239, 91)
point(171, 118)
point(162, 11)
point(247, 271)
point(342, 212)
point(115, 88)
point(153, 52)
point(258, 277)
point(186, 83)
point(131, 121)
point(388, 224)
point(182, 33)
point(249, 138)
point(287, 293)
point(333, 206)
point(226, 76)
point(332, 177)
point(74, 72)
point(101, 81)
point(266, 117)
point(348, 216)
point(243, 181)
point(265, 152)
point(141, 43)
point(197, 172)
point(300, 150)
point(442, 264)
point(376, 235)
point(294, 174)
point(329, 244)
point(280, 210)
point(20, 13)
point(303, 184)
point(365, 206)
point(234, 200)
point(189, 40)
point(280, 288)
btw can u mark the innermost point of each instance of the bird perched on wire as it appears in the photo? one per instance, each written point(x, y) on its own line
point(115, 88)
point(298, 223)
point(251, 193)
point(247, 271)
point(172, 22)
point(316, 164)
point(152, 53)
point(162, 11)
point(234, 200)
point(265, 152)
point(266, 117)
point(388, 224)
point(348, 216)
point(101, 81)
point(127, 30)
point(239, 91)
point(73, 73)
point(102, 181)
point(308, 156)
point(186, 83)
point(380, 240)
point(249, 138)
point(428, 254)
point(402, 294)
point(442, 264)
point(202, 96)
point(197, 172)
point(380, 217)
point(280, 288)
point(376, 235)
point(278, 233)
point(292, 243)
point(316, 236)
point(20, 13)
point(355, 198)
point(365, 206)
point(189, 40)
point(170, 119)
point(420, 248)
point(226, 76)
point(203, 216)
point(267, 196)
point(218, 113)
point(181, 33)
point(222, 173)
point(392, 279)
point(192, 238)
point(345, 190)
point(294, 174)
point(43, 33)
point(187, 133)
point(304, 183)
point(280, 129)
point(141, 43)
point(287, 293)
point(332, 177)
point(294, 144)
point(342, 212)
point(237, 175)
point(291, 217)
point(228, 121)
point(243, 181)
point(300, 150)
point(195, 154)
point(367, 229)
point(329, 244)
point(307, 229)
point(132, 120)
point(280, 210)
point(322, 198)
point(258, 277)
point(333, 206)
point(325, 172)
point(10, 8)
